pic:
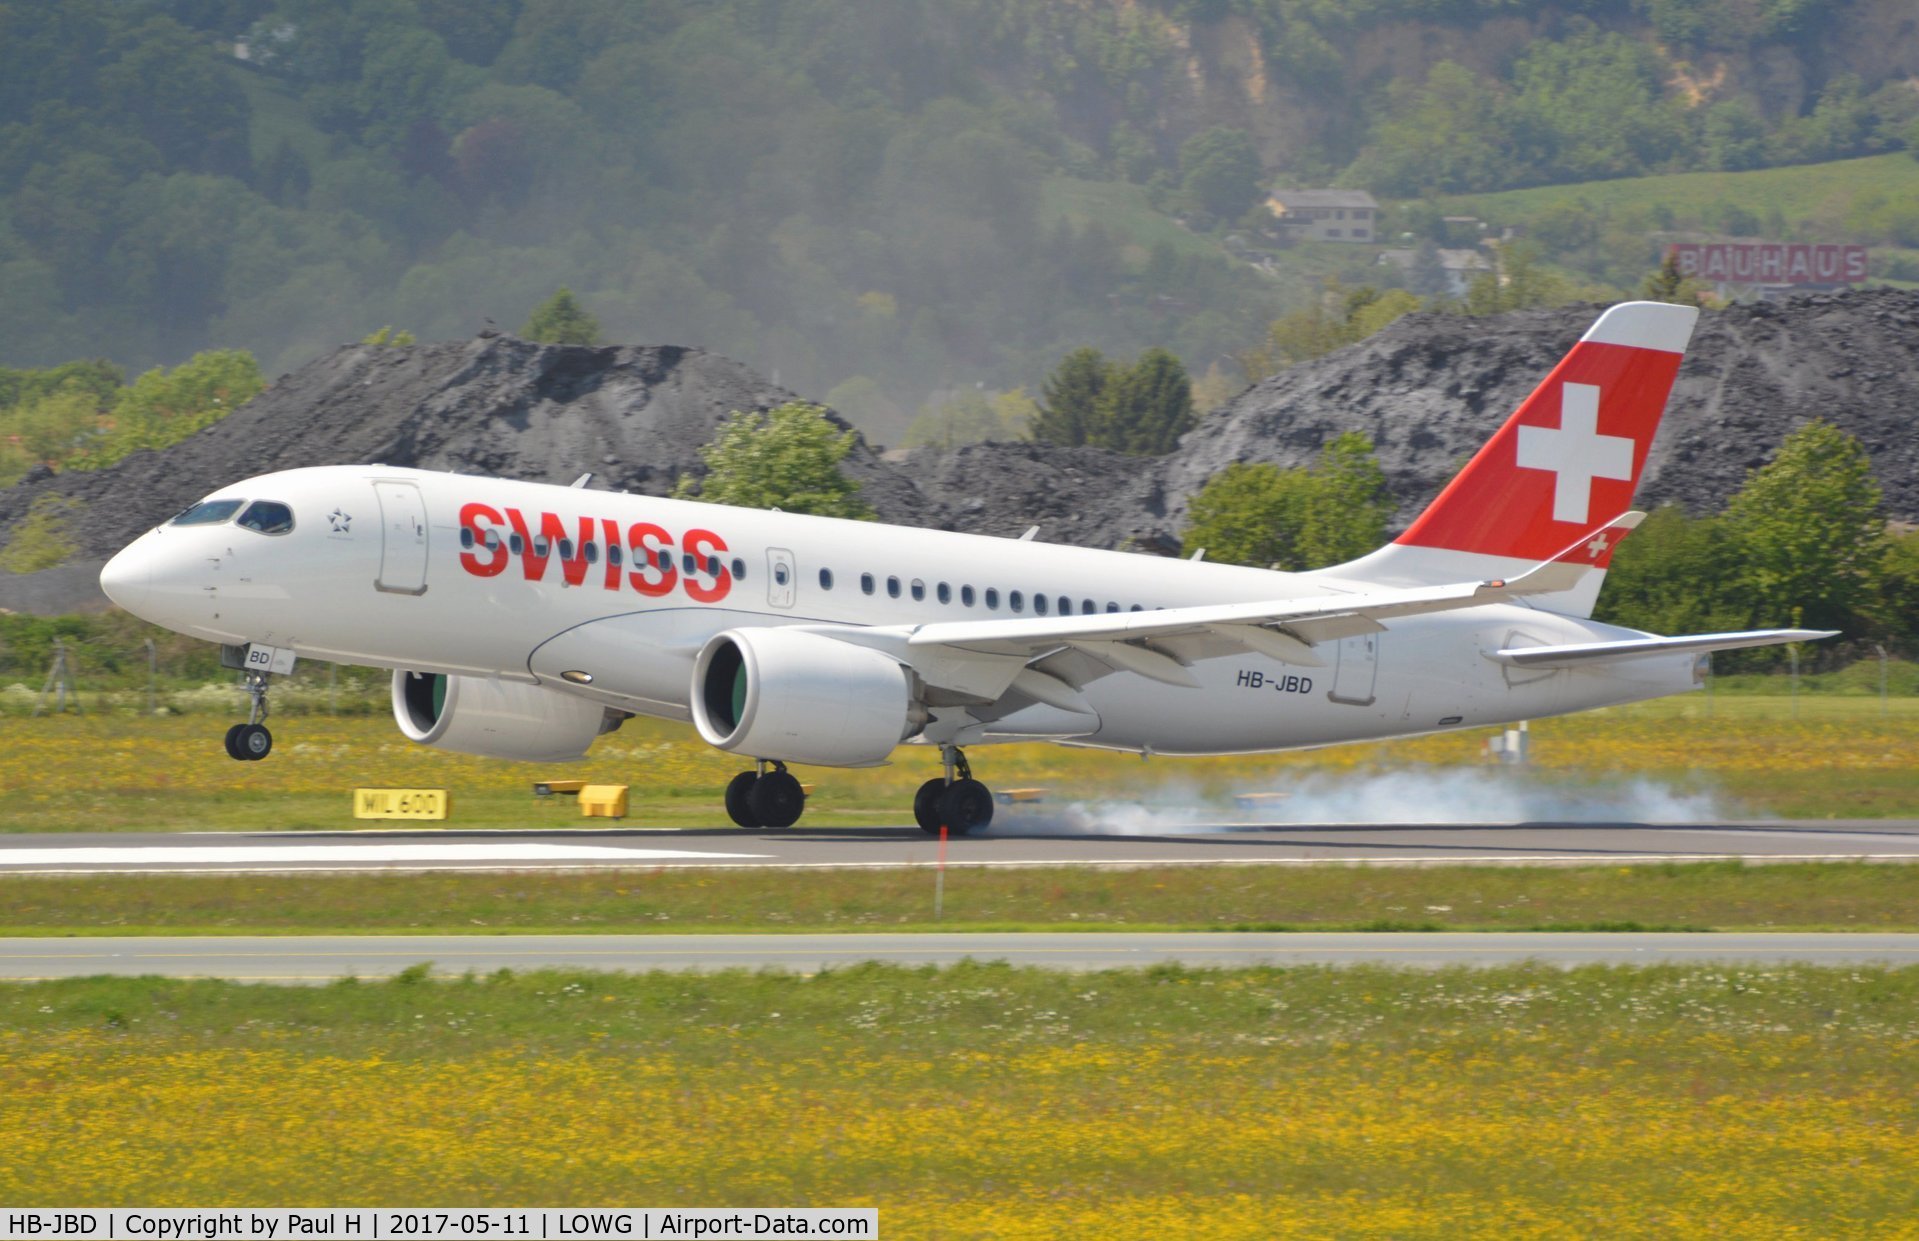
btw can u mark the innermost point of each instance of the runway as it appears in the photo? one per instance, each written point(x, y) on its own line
point(309, 959)
point(1009, 844)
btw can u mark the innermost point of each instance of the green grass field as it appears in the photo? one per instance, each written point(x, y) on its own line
point(1826, 192)
point(1740, 755)
point(984, 1101)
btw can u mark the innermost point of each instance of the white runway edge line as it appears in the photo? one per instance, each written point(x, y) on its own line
point(229, 855)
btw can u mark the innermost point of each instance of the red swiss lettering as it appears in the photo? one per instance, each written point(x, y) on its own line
point(704, 544)
point(471, 518)
point(535, 552)
point(649, 576)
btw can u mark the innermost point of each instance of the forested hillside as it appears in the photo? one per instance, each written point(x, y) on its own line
point(870, 200)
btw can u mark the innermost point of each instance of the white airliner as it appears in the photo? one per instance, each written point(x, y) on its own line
point(522, 620)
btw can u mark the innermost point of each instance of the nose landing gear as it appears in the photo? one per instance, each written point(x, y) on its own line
point(762, 798)
point(250, 742)
point(954, 801)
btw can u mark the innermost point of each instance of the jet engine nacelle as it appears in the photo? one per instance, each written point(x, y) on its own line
point(802, 698)
point(497, 719)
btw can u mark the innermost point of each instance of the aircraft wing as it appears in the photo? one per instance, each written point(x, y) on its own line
point(1284, 629)
point(1574, 654)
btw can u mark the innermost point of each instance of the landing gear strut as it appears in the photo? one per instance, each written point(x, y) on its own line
point(250, 742)
point(954, 801)
point(762, 798)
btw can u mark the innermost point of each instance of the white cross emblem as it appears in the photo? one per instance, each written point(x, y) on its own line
point(1598, 546)
point(1575, 452)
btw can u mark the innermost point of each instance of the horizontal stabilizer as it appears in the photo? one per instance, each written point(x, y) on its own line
point(1598, 652)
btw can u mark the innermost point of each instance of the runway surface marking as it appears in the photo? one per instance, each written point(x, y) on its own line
point(422, 851)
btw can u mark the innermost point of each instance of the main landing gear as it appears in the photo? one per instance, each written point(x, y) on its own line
point(762, 798)
point(250, 742)
point(954, 801)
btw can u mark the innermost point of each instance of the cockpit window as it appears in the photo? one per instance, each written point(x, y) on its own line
point(268, 517)
point(208, 513)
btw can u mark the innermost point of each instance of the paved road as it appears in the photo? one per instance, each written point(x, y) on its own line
point(318, 958)
point(1010, 844)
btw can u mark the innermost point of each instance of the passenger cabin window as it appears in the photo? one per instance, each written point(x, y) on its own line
point(1016, 601)
point(739, 571)
point(540, 545)
point(515, 544)
point(992, 597)
point(779, 574)
point(866, 583)
point(664, 557)
point(892, 588)
point(208, 513)
point(613, 554)
point(826, 579)
point(919, 590)
point(566, 549)
point(466, 536)
point(712, 566)
point(945, 593)
point(1087, 607)
point(1039, 604)
point(966, 595)
point(691, 565)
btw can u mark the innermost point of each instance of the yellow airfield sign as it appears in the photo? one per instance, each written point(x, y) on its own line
point(400, 803)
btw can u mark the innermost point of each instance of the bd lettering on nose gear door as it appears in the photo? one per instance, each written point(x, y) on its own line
point(402, 539)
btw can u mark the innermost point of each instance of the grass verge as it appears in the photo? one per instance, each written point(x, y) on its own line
point(1674, 896)
point(992, 1101)
point(1818, 757)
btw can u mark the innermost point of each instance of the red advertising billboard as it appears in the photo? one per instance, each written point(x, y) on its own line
point(1771, 262)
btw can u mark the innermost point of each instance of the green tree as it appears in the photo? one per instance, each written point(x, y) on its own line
point(163, 407)
point(1146, 407)
point(1676, 574)
point(1809, 531)
point(1219, 171)
point(1667, 285)
point(1519, 280)
point(561, 320)
point(1258, 514)
point(1069, 400)
point(1348, 505)
point(1338, 317)
point(1895, 610)
point(786, 458)
point(41, 540)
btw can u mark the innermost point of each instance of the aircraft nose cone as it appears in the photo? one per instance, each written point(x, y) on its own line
point(127, 579)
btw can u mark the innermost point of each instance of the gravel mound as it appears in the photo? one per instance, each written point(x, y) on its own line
point(1427, 391)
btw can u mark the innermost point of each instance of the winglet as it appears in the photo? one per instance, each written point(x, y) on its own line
point(1563, 571)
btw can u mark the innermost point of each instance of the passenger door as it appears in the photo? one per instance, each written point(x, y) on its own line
point(402, 539)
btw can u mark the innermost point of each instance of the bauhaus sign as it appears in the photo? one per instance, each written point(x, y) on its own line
point(1771, 262)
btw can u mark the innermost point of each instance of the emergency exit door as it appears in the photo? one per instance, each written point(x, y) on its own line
point(1357, 670)
point(782, 577)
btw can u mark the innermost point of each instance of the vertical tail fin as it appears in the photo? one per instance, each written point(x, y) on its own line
point(1569, 456)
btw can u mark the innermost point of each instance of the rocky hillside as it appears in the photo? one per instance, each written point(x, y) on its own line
point(1427, 391)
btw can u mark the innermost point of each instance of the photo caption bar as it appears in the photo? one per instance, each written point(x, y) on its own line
point(411, 1223)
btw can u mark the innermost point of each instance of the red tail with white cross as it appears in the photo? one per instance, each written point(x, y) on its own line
point(1551, 482)
point(1571, 455)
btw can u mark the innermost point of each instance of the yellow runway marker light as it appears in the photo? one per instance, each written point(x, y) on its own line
point(401, 803)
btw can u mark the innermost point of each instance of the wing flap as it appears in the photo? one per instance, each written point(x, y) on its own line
point(1574, 654)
